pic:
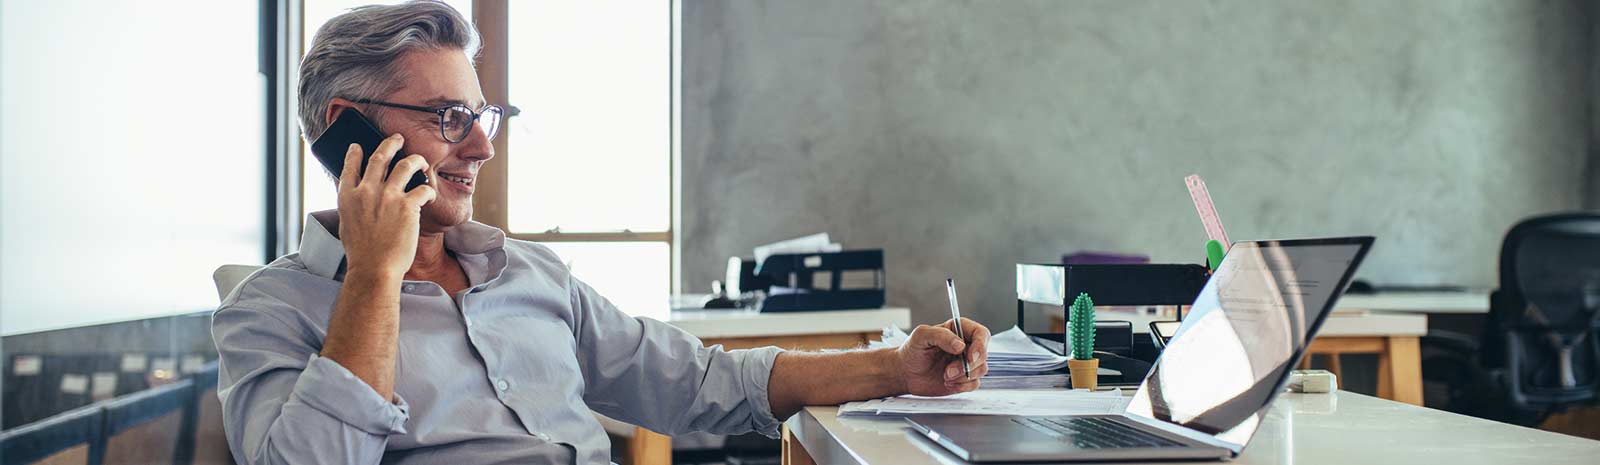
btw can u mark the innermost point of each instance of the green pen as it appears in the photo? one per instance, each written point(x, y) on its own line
point(1214, 253)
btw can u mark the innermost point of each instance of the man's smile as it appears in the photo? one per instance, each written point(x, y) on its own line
point(459, 180)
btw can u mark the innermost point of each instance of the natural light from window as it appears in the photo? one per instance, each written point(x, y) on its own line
point(592, 146)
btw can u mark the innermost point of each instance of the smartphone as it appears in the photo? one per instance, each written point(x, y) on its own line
point(353, 128)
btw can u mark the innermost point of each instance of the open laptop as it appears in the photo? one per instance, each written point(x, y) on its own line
point(1207, 394)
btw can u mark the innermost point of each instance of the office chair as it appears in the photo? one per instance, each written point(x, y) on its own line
point(205, 443)
point(146, 427)
point(1538, 352)
point(72, 437)
point(1544, 320)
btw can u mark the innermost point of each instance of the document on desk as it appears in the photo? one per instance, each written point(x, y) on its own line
point(996, 402)
point(1011, 354)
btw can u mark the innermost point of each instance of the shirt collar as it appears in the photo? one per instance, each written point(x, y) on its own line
point(323, 253)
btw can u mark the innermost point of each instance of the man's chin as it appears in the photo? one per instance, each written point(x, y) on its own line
point(443, 218)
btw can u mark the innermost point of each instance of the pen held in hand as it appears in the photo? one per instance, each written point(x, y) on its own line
point(955, 316)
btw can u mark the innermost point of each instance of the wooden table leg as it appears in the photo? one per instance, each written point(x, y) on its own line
point(1385, 374)
point(794, 453)
point(1400, 370)
point(649, 448)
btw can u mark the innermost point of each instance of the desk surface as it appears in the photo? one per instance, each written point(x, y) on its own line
point(1470, 301)
point(1338, 324)
point(1301, 429)
point(746, 323)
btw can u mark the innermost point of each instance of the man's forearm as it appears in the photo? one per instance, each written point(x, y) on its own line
point(800, 379)
point(364, 330)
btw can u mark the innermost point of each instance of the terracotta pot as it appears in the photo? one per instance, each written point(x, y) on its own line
point(1084, 373)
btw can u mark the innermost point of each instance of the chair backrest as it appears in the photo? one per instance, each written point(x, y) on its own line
point(1545, 317)
point(71, 437)
point(209, 443)
point(228, 277)
point(147, 427)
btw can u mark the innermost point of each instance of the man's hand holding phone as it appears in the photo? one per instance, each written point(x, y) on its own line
point(379, 224)
point(378, 219)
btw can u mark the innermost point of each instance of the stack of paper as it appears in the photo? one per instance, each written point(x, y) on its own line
point(1012, 353)
point(1015, 361)
point(1005, 402)
point(1049, 379)
point(808, 244)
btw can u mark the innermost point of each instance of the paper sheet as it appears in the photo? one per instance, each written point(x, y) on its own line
point(1011, 353)
point(996, 402)
point(808, 244)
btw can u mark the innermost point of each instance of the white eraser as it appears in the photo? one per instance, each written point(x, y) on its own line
point(1313, 381)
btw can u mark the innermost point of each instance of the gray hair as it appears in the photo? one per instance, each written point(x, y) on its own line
point(355, 55)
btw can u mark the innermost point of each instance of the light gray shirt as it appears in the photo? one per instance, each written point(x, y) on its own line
point(507, 371)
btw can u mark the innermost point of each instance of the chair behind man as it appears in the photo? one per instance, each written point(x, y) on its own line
point(146, 427)
point(69, 438)
point(210, 445)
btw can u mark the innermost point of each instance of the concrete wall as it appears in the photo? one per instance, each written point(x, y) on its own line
point(966, 137)
point(1592, 189)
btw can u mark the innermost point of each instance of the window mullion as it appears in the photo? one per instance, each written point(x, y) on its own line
point(490, 201)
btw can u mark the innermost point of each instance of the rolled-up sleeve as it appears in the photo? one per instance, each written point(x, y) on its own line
point(283, 404)
point(654, 375)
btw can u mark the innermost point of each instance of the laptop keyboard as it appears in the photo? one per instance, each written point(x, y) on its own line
point(1095, 432)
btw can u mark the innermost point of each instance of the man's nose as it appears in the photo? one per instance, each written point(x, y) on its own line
point(477, 146)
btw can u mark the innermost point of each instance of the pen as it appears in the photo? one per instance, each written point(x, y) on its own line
point(955, 315)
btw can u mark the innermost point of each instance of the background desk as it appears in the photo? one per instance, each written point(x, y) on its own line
point(742, 329)
point(1393, 337)
point(1443, 302)
point(1302, 429)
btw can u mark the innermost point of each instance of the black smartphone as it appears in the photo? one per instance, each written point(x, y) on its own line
point(353, 128)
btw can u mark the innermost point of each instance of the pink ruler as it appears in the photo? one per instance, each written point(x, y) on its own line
point(1208, 211)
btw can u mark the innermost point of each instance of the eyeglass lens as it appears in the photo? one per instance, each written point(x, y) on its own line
point(457, 122)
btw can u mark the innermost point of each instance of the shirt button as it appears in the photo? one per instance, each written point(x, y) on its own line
point(542, 436)
point(502, 385)
point(408, 288)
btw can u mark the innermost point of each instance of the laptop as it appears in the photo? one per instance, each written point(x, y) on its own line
point(1207, 394)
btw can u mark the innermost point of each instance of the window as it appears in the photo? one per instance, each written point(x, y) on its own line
point(590, 156)
point(133, 158)
point(587, 166)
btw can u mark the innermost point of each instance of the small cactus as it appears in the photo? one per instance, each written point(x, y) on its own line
point(1081, 327)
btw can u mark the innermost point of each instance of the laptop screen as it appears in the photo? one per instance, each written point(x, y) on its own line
point(1246, 329)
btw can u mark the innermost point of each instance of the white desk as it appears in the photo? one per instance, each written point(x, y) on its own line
point(1465, 302)
point(743, 329)
point(1301, 429)
point(1393, 337)
point(725, 324)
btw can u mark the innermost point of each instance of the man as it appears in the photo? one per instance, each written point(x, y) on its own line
point(403, 332)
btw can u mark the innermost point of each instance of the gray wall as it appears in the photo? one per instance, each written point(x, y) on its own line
point(1592, 200)
point(965, 137)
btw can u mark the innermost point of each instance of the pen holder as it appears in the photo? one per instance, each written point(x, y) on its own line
point(1085, 373)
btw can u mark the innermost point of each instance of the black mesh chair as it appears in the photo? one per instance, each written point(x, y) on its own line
point(1540, 341)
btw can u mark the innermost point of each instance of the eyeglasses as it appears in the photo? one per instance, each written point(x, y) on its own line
point(455, 121)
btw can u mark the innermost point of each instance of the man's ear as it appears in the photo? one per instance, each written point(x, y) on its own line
point(335, 107)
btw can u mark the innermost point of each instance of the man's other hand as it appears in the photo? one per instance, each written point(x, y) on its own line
point(931, 358)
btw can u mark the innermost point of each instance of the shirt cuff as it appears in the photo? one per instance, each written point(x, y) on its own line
point(757, 372)
point(327, 386)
